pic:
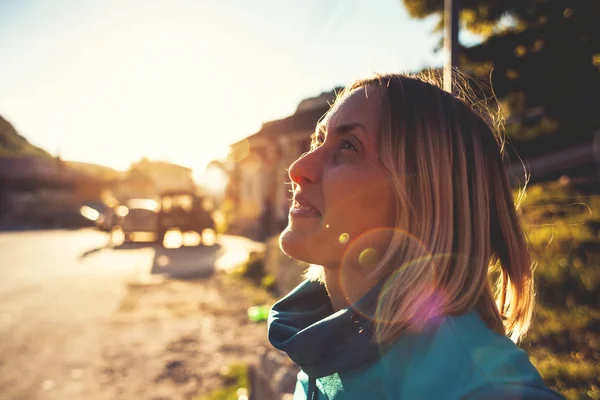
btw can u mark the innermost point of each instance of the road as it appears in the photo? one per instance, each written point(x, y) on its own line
point(59, 290)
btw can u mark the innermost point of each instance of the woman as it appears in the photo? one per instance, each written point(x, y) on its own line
point(404, 202)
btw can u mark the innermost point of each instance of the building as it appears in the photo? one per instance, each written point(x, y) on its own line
point(259, 187)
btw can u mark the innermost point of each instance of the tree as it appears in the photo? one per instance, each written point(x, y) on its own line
point(543, 55)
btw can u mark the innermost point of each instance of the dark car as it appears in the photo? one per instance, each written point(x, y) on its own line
point(183, 210)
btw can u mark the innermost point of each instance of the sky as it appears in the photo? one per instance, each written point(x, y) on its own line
point(112, 81)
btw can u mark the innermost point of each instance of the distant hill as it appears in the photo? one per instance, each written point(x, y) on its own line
point(14, 145)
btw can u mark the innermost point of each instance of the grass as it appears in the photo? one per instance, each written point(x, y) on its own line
point(235, 378)
point(562, 228)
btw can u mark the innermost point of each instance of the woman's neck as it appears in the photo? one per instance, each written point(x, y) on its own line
point(345, 288)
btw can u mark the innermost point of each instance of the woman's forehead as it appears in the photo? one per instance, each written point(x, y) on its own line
point(357, 106)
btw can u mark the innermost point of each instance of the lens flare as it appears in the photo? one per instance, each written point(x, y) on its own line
point(344, 238)
point(371, 248)
point(427, 307)
point(368, 257)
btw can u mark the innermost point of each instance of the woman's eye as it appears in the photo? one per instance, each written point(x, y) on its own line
point(347, 145)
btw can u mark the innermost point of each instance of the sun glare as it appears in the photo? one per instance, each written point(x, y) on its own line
point(215, 179)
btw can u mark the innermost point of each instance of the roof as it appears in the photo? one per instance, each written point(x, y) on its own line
point(300, 121)
point(307, 114)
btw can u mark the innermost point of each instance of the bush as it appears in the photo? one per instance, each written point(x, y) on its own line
point(253, 268)
point(562, 228)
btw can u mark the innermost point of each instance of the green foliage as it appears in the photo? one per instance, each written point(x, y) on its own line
point(253, 268)
point(562, 226)
point(234, 377)
point(423, 8)
point(548, 51)
point(268, 282)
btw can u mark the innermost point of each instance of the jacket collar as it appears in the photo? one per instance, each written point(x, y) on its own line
point(322, 342)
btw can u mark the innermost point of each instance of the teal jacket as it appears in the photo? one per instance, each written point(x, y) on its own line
point(454, 357)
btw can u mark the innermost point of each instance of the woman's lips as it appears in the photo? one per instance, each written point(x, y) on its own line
point(302, 208)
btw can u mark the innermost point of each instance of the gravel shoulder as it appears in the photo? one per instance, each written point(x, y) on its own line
point(172, 340)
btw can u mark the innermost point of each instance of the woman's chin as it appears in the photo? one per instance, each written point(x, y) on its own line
point(287, 242)
point(295, 244)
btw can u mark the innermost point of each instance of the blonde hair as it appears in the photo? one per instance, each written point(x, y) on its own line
point(458, 243)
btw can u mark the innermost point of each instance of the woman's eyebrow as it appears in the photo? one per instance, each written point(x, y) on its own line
point(342, 129)
point(346, 128)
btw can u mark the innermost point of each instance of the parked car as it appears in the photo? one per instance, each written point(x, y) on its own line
point(185, 211)
point(138, 215)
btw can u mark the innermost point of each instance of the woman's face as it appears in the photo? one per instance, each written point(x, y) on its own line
point(342, 192)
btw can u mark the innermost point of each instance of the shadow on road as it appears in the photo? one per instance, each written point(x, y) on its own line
point(122, 246)
point(92, 251)
point(136, 245)
point(185, 262)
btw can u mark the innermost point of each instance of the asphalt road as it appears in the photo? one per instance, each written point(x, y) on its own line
point(57, 290)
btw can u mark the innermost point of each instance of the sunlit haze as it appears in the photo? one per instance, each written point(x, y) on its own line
point(109, 82)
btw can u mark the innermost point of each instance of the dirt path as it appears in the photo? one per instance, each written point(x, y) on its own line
point(168, 340)
point(173, 340)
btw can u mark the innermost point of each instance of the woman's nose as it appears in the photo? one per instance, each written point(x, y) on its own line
point(307, 169)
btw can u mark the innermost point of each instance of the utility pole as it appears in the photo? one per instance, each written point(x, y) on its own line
point(450, 41)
